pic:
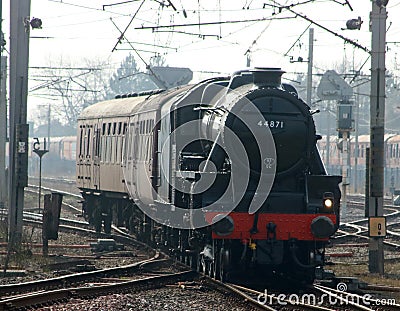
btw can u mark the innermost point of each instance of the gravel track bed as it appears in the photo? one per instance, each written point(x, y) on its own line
point(66, 185)
point(167, 298)
point(36, 266)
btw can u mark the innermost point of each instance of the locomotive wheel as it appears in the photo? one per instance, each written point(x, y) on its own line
point(224, 259)
point(200, 264)
point(97, 220)
point(194, 261)
point(131, 224)
point(215, 268)
point(210, 269)
point(305, 275)
point(207, 267)
point(107, 224)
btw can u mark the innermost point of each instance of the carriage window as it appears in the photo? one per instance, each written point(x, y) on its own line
point(84, 142)
point(150, 148)
point(117, 149)
point(152, 126)
point(103, 149)
point(119, 128)
point(121, 151)
point(81, 142)
point(140, 155)
point(125, 126)
point(104, 129)
point(97, 145)
point(109, 129)
point(109, 149)
point(88, 143)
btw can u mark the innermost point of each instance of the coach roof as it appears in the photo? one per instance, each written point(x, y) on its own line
point(113, 108)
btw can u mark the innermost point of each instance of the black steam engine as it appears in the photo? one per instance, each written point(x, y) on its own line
point(225, 174)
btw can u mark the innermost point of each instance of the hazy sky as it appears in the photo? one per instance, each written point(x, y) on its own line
point(74, 30)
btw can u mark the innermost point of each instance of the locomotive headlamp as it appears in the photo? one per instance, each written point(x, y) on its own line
point(328, 200)
point(328, 203)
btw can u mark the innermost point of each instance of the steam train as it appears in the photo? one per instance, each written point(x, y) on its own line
point(225, 174)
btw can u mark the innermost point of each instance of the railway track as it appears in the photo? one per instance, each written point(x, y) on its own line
point(356, 301)
point(75, 278)
point(50, 291)
point(317, 297)
point(270, 301)
point(38, 298)
point(359, 227)
point(94, 283)
point(251, 296)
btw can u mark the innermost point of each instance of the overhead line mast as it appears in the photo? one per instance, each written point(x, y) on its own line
point(18, 167)
point(377, 222)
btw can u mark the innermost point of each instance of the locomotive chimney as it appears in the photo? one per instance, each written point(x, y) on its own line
point(267, 77)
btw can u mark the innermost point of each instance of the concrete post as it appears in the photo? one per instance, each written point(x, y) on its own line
point(377, 110)
point(310, 65)
point(18, 175)
point(3, 131)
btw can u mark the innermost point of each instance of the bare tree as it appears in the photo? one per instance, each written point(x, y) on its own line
point(71, 88)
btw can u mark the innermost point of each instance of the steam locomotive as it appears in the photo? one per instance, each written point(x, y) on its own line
point(225, 174)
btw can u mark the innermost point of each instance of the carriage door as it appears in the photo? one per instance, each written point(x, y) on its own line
point(131, 153)
point(96, 156)
point(80, 157)
point(163, 153)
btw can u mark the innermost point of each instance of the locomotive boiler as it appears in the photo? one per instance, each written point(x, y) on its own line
point(224, 174)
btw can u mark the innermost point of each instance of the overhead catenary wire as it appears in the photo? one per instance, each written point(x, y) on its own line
point(66, 68)
point(153, 45)
point(214, 23)
point(57, 81)
point(138, 54)
point(202, 9)
point(288, 8)
point(126, 28)
point(248, 51)
point(200, 35)
point(87, 7)
point(118, 3)
point(76, 5)
point(190, 12)
point(297, 40)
